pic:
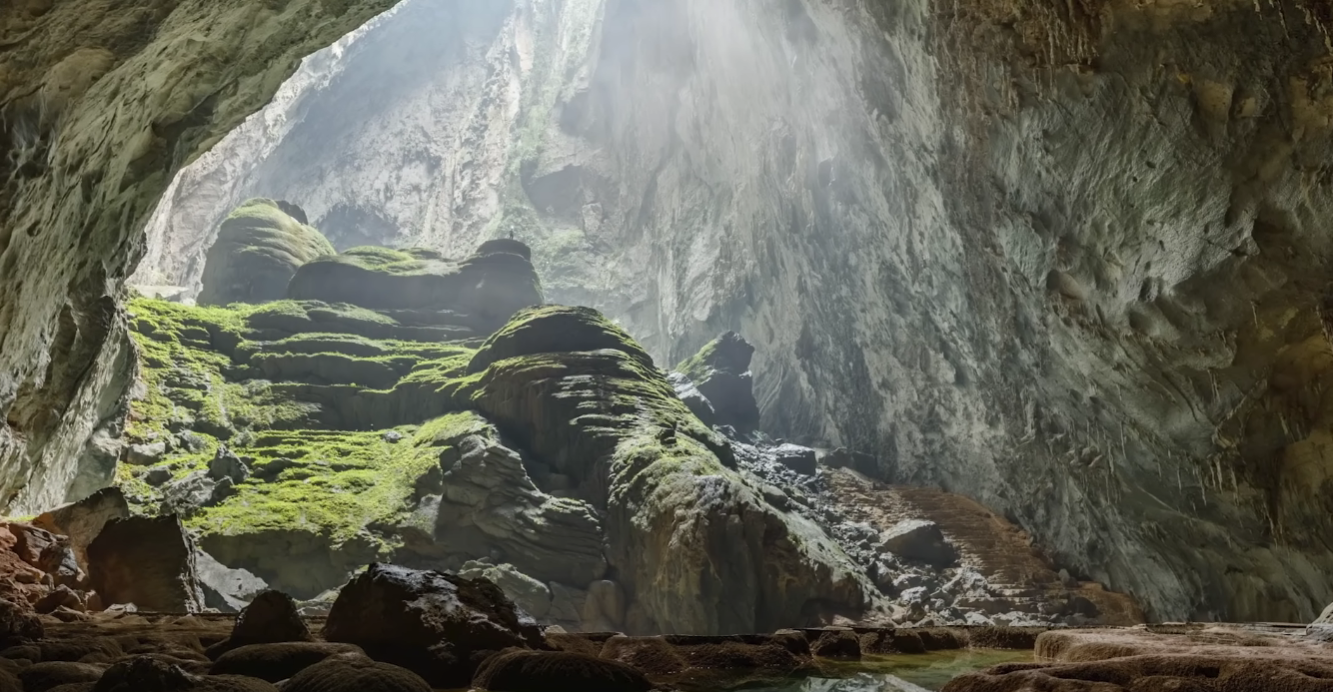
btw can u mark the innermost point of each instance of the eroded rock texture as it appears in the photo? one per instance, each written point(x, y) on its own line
point(1066, 258)
point(100, 104)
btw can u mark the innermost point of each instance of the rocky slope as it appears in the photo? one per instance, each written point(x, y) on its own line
point(398, 406)
point(1063, 258)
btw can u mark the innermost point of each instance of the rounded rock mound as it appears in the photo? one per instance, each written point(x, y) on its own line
point(539, 671)
point(556, 329)
point(489, 288)
point(258, 249)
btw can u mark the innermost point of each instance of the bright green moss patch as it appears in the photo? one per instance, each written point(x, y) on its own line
point(333, 483)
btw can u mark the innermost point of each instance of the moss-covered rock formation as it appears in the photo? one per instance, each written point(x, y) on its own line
point(721, 372)
point(486, 287)
point(302, 439)
point(259, 247)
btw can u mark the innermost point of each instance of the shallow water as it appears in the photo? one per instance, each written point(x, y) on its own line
point(876, 673)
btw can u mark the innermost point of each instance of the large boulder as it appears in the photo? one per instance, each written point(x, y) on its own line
point(355, 674)
point(258, 249)
point(437, 624)
point(540, 671)
point(270, 618)
point(487, 288)
point(149, 562)
point(721, 373)
point(225, 588)
point(82, 521)
point(278, 661)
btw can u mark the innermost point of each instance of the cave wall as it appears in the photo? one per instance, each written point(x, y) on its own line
point(1066, 258)
point(100, 104)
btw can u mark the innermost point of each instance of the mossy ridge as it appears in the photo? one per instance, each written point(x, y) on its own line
point(556, 329)
point(286, 319)
point(335, 484)
point(556, 364)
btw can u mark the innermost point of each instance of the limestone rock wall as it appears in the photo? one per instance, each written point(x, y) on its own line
point(100, 104)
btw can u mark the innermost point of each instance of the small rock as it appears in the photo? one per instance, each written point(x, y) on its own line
point(226, 464)
point(145, 454)
point(190, 441)
point(837, 643)
point(273, 468)
point(843, 458)
point(156, 476)
point(61, 597)
point(393, 437)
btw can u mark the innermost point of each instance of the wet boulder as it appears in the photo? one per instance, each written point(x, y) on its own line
point(144, 673)
point(721, 373)
point(355, 674)
point(437, 624)
point(277, 661)
point(149, 562)
point(258, 249)
point(540, 671)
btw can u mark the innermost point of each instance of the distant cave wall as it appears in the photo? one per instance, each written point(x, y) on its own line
point(1066, 258)
point(100, 104)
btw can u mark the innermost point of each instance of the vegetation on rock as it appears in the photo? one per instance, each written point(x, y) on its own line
point(258, 249)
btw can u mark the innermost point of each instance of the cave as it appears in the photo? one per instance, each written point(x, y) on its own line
point(1003, 325)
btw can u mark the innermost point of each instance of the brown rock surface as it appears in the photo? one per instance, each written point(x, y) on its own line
point(987, 542)
point(82, 521)
point(1193, 658)
point(145, 561)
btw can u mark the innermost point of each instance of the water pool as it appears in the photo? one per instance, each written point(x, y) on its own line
point(872, 673)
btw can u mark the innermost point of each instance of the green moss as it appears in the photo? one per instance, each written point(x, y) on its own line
point(337, 483)
point(697, 367)
point(556, 329)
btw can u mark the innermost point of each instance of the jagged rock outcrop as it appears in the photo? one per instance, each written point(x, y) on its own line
point(720, 371)
point(257, 251)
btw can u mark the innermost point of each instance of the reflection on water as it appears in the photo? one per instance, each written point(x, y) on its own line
point(884, 673)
